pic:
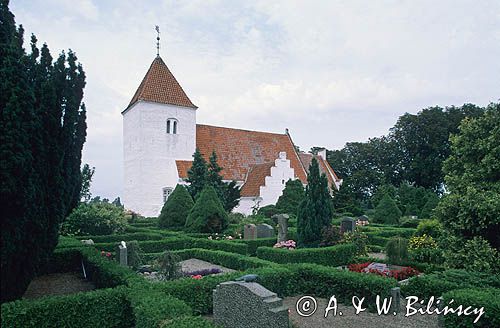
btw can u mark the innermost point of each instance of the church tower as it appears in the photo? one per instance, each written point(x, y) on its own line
point(159, 127)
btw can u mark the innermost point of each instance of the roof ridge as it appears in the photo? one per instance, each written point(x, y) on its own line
point(245, 130)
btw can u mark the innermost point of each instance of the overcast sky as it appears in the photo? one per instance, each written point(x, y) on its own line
point(330, 71)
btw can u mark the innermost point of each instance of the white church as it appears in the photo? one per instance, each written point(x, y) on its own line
point(160, 135)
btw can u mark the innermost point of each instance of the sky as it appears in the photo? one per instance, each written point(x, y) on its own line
point(330, 71)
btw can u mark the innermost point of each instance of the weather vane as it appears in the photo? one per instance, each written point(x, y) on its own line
point(157, 41)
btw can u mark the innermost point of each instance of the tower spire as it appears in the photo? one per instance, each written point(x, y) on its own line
point(157, 41)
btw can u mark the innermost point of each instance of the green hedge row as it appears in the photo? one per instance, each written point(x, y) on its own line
point(116, 238)
point(389, 232)
point(438, 283)
point(420, 266)
point(100, 308)
point(226, 259)
point(487, 298)
point(287, 280)
point(253, 244)
point(176, 243)
point(332, 256)
point(69, 242)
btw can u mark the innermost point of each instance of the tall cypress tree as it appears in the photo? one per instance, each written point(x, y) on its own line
point(43, 131)
point(316, 210)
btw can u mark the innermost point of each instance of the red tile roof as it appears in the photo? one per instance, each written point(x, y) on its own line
point(239, 150)
point(256, 178)
point(159, 85)
point(324, 167)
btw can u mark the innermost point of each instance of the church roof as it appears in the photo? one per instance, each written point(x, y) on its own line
point(256, 178)
point(324, 167)
point(238, 151)
point(159, 85)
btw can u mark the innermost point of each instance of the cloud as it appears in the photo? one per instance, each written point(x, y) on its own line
point(330, 71)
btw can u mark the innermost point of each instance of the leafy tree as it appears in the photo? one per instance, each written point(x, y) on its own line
point(472, 207)
point(87, 174)
point(430, 205)
point(231, 195)
point(97, 218)
point(197, 174)
point(387, 211)
point(292, 196)
point(43, 130)
point(208, 214)
point(315, 211)
point(176, 209)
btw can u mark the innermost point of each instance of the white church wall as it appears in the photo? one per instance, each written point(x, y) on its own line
point(281, 172)
point(150, 152)
point(246, 205)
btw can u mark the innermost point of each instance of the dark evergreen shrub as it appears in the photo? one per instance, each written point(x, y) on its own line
point(387, 211)
point(292, 196)
point(208, 214)
point(397, 250)
point(176, 209)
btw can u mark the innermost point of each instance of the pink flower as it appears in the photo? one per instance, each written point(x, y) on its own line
point(197, 277)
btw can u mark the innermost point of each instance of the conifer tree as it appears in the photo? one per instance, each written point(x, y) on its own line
point(292, 195)
point(43, 130)
point(197, 174)
point(176, 209)
point(387, 211)
point(208, 214)
point(316, 210)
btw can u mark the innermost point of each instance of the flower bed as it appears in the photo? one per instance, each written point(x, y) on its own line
point(289, 244)
point(399, 273)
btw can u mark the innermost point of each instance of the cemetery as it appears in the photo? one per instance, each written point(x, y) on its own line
point(239, 228)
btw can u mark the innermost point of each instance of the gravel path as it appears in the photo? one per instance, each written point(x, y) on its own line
point(350, 320)
point(192, 265)
point(381, 256)
point(57, 284)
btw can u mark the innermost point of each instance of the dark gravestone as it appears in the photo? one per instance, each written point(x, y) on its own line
point(265, 231)
point(248, 305)
point(347, 225)
point(282, 225)
point(250, 231)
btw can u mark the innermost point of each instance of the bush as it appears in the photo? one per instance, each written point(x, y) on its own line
point(292, 196)
point(176, 209)
point(397, 250)
point(253, 244)
point(387, 211)
point(409, 223)
point(268, 211)
point(431, 228)
point(332, 256)
point(473, 255)
point(169, 266)
point(359, 239)
point(208, 214)
point(134, 254)
point(330, 236)
point(100, 308)
point(95, 219)
point(489, 299)
point(229, 260)
point(116, 238)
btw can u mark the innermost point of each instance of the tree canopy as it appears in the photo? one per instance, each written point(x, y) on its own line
point(292, 196)
point(208, 214)
point(43, 131)
point(176, 209)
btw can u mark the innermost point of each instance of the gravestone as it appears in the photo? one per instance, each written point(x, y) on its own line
point(347, 225)
point(380, 267)
point(265, 231)
point(282, 221)
point(396, 299)
point(239, 304)
point(121, 253)
point(250, 231)
point(87, 242)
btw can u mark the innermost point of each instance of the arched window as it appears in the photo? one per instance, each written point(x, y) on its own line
point(172, 126)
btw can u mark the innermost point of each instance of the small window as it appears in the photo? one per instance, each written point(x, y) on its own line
point(167, 191)
point(172, 126)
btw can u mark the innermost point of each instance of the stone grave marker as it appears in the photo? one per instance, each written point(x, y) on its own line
point(121, 253)
point(239, 304)
point(282, 221)
point(396, 299)
point(347, 225)
point(250, 231)
point(265, 231)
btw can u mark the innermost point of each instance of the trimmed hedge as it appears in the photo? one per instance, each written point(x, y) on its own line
point(438, 283)
point(229, 260)
point(332, 256)
point(69, 242)
point(253, 244)
point(176, 243)
point(100, 308)
point(487, 298)
point(125, 237)
point(287, 280)
point(420, 266)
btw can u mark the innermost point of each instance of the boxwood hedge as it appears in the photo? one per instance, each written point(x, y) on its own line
point(332, 256)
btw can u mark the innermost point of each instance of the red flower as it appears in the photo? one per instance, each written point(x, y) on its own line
point(197, 277)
